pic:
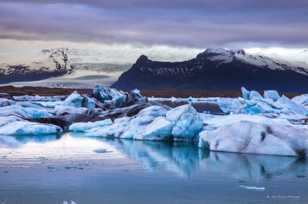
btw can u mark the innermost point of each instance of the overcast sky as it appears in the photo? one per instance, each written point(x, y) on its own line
point(187, 23)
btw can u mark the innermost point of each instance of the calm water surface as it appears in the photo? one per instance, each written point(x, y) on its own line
point(73, 169)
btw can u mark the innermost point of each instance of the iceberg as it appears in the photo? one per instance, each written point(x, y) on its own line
point(109, 95)
point(74, 100)
point(289, 106)
point(154, 123)
point(230, 105)
point(187, 121)
point(19, 128)
point(254, 95)
point(271, 94)
point(302, 100)
point(272, 104)
point(245, 93)
point(24, 112)
point(83, 127)
point(5, 102)
point(257, 136)
point(159, 129)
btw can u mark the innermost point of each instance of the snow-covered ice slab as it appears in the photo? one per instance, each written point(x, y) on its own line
point(255, 135)
point(18, 128)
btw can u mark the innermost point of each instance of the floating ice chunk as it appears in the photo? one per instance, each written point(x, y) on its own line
point(75, 100)
point(8, 119)
point(187, 121)
point(83, 127)
point(302, 100)
point(113, 131)
point(230, 105)
point(267, 137)
point(5, 102)
point(152, 111)
point(137, 124)
point(245, 93)
point(258, 107)
point(49, 104)
point(159, 129)
point(255, 95)
point(38, 98)
point(136, 94)
point(290, 106)
point(25, 112)
point(28, 128)
point(109, 95)
point(256, 188)
point(90, 103)
point(271, 94)
point(60, 110)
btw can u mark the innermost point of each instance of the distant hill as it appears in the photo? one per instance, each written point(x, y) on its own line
point(215, 69)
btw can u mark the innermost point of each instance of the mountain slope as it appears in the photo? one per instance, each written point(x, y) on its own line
point(52, 63)
point(215, 69)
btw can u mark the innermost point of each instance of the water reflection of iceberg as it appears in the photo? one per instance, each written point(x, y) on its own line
point(182, 159)
point(185, 160)
point(17, 141)
point(254, 167)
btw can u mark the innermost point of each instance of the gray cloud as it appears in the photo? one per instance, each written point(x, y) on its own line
point(197, 23)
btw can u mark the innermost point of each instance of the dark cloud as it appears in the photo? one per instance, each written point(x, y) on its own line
point(198, 23)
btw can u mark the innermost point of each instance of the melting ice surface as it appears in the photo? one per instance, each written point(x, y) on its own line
point(77, 169)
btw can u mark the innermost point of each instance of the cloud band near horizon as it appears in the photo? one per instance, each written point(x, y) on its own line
point(196, 23)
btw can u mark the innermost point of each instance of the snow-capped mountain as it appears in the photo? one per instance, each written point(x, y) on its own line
point(216, 69)
point(50, 63)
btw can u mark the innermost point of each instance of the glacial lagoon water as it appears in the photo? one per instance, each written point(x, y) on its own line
point(72, 169)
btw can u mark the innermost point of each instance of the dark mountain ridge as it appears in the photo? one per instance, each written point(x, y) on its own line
point(215, 69)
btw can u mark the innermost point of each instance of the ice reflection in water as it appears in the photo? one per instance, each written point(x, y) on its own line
point(185, 159)
point(182, 159)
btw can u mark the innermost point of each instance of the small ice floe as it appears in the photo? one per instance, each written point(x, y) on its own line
point(255, 188)
point(69, 202)
point(101, 151)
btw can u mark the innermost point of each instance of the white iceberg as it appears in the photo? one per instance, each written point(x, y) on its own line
point(18, 128)
point(302, 100)
point(83, 127)
point(74, 100)
point(289, 106)
point(271, 94)
point(272, 104)
point(159, 129)
point(24, 112)
point(154, 123)
point(6, 102)
point(187, 121)
point(257, 135)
